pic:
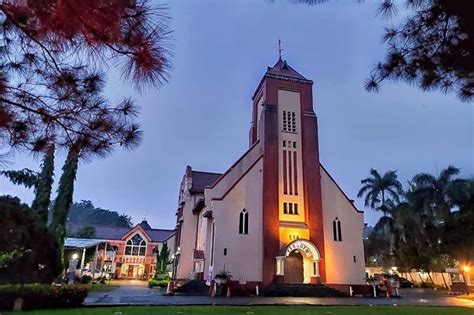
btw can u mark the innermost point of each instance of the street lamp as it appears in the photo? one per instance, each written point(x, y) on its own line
point(75, 256)
point(466, 268)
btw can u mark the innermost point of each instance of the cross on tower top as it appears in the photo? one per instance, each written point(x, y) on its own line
point(279, 49)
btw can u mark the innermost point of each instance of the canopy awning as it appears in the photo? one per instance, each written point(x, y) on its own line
point(72, 242)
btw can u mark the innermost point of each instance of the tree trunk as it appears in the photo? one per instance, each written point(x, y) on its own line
point(429, 275)
point(44, 186)
point(64, 197)
point(444, 280)
point(422, 282)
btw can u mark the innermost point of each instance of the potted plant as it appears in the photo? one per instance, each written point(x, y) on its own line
point(221, 279)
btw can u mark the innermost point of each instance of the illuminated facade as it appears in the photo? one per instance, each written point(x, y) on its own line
point(276, 215)
point(126, 253)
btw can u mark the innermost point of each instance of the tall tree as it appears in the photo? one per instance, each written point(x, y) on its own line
point(64, 196)
point(44, 185)
point(53, 56)
point(431, 193)
point(377, 189)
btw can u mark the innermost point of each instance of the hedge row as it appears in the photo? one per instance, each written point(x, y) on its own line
point(37, 296)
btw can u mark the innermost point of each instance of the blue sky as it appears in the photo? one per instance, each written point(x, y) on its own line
point(202, 116)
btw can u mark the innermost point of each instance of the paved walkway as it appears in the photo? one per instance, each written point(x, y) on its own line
point(142, 295)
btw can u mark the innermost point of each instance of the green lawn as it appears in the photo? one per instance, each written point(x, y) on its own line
point(256, 310)
point(102, 287)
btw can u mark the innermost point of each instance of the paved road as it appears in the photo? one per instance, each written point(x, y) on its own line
point(142, 295)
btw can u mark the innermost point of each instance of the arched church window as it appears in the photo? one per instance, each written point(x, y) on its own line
point(244, 222)
point(336, 230)
point(136, 246)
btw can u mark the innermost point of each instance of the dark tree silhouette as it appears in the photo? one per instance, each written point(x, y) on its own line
point(42, 182)
point(28, 250)
point(64, 196)
point(433, 48)
point(44, 185)
point(377, 189)
point(52, 57)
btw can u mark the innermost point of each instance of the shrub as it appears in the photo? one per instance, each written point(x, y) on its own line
point(162, 283)
point(29, 252)
point(36, 296)
point(161, 276)
point(86, 279)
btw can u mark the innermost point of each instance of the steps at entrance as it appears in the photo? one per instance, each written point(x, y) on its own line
point(301, 290)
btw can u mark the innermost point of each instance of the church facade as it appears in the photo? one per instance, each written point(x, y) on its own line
point(276, 215)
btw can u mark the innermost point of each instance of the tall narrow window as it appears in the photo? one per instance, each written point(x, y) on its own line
point(295, 171)
point(293, 122)
point(244, 222)
point(339, 236)
point(290, 173)
point(285, 179)
point(336, 229)
point(296, 209)
point(285, 208)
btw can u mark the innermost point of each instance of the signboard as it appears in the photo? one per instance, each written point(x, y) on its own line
point(301, 246)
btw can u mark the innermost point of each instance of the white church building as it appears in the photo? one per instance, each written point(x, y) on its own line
point(276, 215)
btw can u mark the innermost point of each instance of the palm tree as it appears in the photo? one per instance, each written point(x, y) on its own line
point(431, 194)
point(377, 189)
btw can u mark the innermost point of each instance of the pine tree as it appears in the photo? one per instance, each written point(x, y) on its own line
point(44, 185)
point(64, 196)
point(54, 55)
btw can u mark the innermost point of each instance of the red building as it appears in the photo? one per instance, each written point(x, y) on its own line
point(126, 253)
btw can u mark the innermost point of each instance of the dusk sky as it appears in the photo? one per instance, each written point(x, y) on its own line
point(202, 116)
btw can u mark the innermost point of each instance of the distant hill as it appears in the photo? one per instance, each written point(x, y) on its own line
point(83, 216)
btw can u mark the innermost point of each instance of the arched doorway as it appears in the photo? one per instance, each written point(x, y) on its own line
point(294, 272)
point(299, 262)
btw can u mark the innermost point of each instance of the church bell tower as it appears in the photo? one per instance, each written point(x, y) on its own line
point(285, 125)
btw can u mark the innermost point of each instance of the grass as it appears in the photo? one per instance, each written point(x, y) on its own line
point(262, 310)
point(102, 287)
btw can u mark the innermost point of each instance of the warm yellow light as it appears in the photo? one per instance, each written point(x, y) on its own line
point(75, 256)
point(466, 268)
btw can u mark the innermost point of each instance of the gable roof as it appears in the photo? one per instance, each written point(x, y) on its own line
point(203, 179)
point(117, 233)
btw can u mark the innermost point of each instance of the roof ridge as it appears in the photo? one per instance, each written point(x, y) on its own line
point(206, 172)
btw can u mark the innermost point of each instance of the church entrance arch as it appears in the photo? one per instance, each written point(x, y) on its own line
point(300, 262)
